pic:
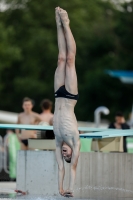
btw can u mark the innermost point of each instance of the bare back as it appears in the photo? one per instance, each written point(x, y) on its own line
point(47, 117)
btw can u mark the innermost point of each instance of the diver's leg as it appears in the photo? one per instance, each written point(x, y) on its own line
point(59, 78)
point(70, 76)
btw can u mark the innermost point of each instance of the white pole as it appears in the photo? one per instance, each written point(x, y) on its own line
point(97, 114)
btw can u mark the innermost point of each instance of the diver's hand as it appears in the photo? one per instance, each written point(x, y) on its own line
point(68, 193)
point(61, 191)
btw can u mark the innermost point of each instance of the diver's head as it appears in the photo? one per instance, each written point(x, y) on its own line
point(66, 152)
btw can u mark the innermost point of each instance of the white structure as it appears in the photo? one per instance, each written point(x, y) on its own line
point(8, 117)
point(97, 114)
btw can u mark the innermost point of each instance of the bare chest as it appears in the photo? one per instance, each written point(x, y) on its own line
point(27, 119)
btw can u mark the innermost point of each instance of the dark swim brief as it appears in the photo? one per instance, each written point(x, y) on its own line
point(25, 142)
point(62, 92)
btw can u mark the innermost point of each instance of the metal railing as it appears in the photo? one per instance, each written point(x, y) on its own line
point(1, 154)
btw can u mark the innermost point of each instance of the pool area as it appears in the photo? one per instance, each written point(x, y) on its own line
point(7, 193)
point(42, 197)
point(103, 176)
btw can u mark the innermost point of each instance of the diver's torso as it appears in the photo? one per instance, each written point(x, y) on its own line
point(65, 123)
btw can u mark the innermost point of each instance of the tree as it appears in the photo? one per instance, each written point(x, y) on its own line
point(101, 40)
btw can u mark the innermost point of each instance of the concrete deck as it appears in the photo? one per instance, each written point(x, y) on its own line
point(7, 193)
point(8, 187)
point(99, 175)
point(35, 197)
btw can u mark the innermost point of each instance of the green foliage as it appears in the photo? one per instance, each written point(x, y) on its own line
point(28, 53)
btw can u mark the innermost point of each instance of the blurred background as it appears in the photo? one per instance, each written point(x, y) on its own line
point(103, 30)
point(28, 53)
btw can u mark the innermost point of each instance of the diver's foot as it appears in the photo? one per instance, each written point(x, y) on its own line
point(64, 17)
point(57, 17)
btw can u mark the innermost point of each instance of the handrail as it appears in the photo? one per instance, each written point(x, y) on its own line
point(1, 154)
point(5, 157)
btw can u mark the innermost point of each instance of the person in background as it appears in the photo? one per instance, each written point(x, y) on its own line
point(120, 123)
point(12, 145)
point(47, 115)
point(47, 119)
point(27, 117)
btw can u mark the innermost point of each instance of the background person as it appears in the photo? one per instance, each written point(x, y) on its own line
point(27, 117)
point(47, 119)
point(47, 115)
point(13, 147)
point(120, 123)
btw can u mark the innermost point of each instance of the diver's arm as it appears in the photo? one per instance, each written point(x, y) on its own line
point(74, 161)
point(61, 169)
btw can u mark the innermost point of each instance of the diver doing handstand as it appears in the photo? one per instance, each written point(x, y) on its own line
point(66, 96)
